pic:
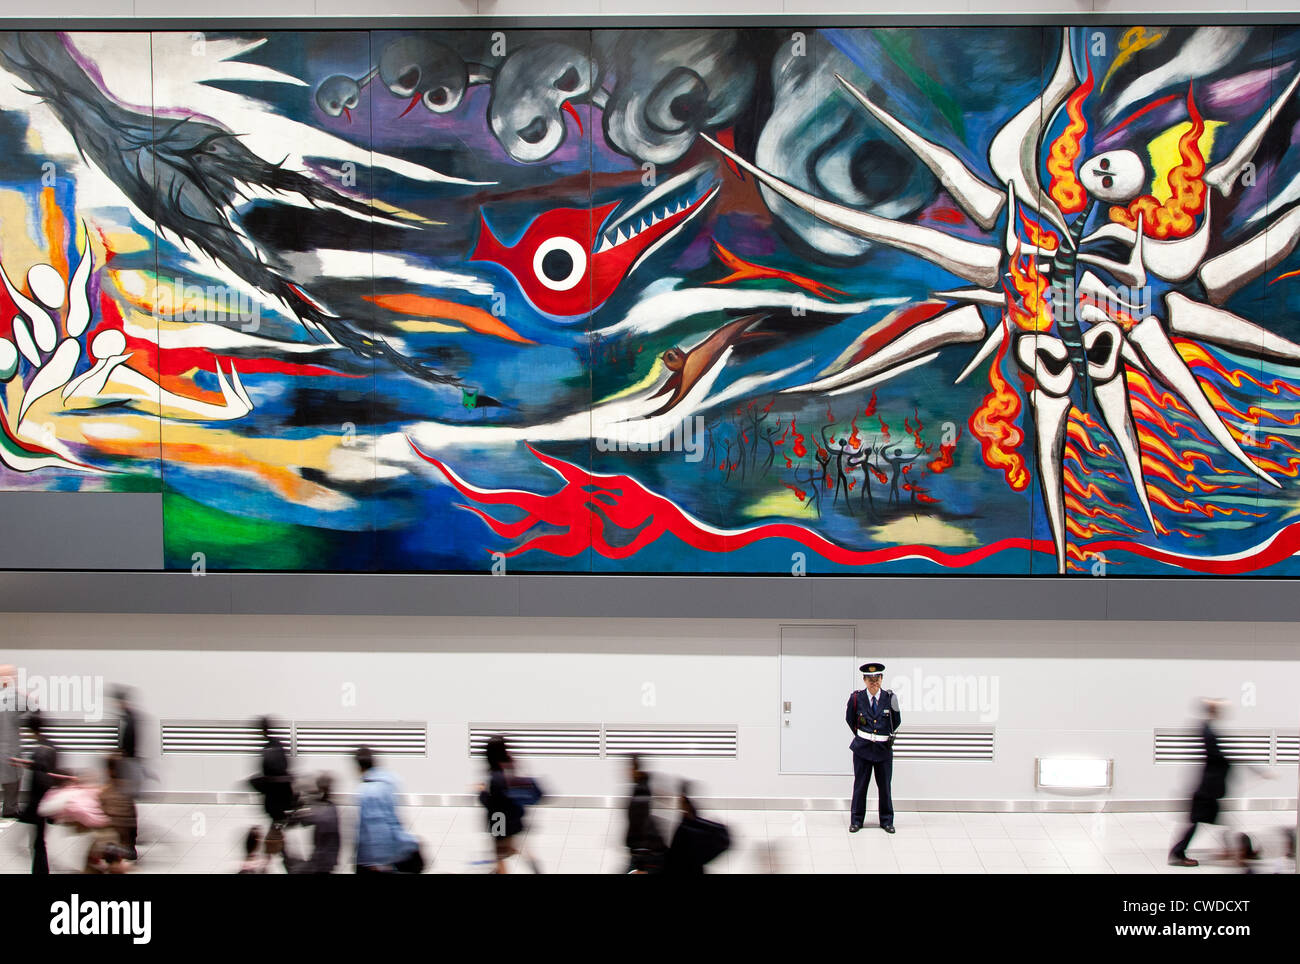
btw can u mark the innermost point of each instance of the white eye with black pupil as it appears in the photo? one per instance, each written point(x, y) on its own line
point(559, 263)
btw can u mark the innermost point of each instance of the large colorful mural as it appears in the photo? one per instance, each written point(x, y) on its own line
point(976, 300)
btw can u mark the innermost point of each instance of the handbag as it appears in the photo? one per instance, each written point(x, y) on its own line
point(78, 806)
point(412, 863)
point(704, 839)
point(525, 791)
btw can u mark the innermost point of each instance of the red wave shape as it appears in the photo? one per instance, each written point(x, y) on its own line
point(591, 504)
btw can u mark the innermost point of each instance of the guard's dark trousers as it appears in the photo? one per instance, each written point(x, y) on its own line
point(862, 770)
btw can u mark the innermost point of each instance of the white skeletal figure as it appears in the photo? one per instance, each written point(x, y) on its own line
point(55, 358)
point(1085, 362)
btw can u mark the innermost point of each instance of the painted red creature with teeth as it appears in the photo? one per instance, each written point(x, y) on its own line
point(568, 261)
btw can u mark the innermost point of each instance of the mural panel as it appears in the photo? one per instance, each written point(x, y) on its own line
point(1012, 300)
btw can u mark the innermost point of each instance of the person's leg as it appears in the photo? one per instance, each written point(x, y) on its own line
point(40, 859)
point(1179, 850)
point(521, 848)
point(130, 832)
point(9, 809)
point(884, 770)
point(861, 780)
point(503, 851)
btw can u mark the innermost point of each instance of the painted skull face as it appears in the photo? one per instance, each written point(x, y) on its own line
point(425, 71)
point(1114, 177)
point(674, 84)
point(834, 150)
point(530, 93)
point(338, 95)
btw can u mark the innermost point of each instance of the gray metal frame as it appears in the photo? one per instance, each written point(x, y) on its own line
point(598, 22)
point(786, 598)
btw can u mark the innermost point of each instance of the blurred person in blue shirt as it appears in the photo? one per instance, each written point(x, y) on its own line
point(383, 844)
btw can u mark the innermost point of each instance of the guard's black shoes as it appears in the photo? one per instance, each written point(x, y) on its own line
point(854, 828)
point(1182, 861)
point(887, 829)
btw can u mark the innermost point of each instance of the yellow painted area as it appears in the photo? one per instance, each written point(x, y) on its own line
point(13, 395)
point(143, 290)
point(125, 242)
point(48, 423)
point(20, 250)
point(403, 214)
point(1165, 157)
point(655, 373)
point(926, 531)
point(781, 503)
point(276, 462)
point(420, 326)
point(1133, 40)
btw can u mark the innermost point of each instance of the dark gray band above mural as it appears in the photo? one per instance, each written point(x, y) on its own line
point(1007, 300)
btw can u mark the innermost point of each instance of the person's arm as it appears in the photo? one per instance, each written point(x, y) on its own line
point(851, 715)
point(400, 834)
point(1213, 752)
point(394, 822)
point(896, 715)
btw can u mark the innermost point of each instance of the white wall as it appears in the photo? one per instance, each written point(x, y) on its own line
point(1063, 688)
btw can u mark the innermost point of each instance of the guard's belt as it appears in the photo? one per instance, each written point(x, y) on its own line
point(873, 737)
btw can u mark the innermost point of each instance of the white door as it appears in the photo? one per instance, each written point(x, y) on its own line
point(817, 676)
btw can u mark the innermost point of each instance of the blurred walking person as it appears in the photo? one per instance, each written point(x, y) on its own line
point(1212, 788)
point(11, 744)
point(322, 817)
point(645, 841)
point(383, 844)
point(44, 764)
point(696, 840)
point(114, 842)
point(505, 796)
point(275, 784)
point(130, 767)
point(254, 859)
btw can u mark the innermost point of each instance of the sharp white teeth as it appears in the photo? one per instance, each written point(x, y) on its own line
point(605, 244)
point(655, 219)
point(618, 238)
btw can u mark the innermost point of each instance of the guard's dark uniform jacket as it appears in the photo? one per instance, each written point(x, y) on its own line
point(872, 755)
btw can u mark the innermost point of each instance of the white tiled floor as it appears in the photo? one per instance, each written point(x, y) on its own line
point(177, 838)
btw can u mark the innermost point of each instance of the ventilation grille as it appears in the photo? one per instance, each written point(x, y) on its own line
point(213, 736)
point(578, 741)
point(597, 741)
point(660, 741)
point(973, 743)
point(1182, 745)
point(70, 736)
point(341, 739)
point(1288, 748)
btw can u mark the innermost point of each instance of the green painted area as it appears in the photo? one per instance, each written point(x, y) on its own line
point(895, 45)
point(235, 542)
point(132, 482)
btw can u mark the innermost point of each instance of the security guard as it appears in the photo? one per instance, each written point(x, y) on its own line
point(873, 716)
